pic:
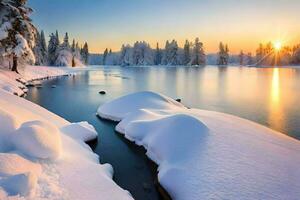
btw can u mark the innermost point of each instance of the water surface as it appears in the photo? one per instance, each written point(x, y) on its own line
point(269, 96)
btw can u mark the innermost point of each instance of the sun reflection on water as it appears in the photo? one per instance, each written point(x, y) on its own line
point(276, 115)
point(275, 91)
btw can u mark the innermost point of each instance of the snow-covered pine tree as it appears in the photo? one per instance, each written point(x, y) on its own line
point(53, 46)
point(64, 54)
point(106, 52)
point(37, 50)
point(40, 49)
point(44, 48)
point(223, 55)
point(73, 46)
point(85, 53)
point(186, 53)
point(17, 33)
point(241, 58)
point(57, 37)
point(165, 58)
point(198, 57)
point(126, 56)
point(158, 55)
point(172, 54)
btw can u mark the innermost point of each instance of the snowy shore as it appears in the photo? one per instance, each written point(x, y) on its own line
point(43, 156)
point(208, 155)
point(16, 83)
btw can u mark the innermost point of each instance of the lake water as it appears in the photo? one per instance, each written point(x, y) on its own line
point(269, 96)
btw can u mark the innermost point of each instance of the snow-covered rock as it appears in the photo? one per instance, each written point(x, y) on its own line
point(209, 155)
point(117, 110)
point(82, 131)
point(38, 139)
point(36, 133)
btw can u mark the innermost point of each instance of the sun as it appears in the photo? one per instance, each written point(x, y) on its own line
point(277, 45)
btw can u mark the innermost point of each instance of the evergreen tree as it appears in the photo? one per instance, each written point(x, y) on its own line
point(186, 53)
point(106, 53)
point(73, 47)
point(52, 49)
point(241, 58)
point(18, 39)
point(157, 56)
point(198, 57)
point(85, 53)
point(223, 55)
point(66, 44)
point(166, 53)
point(37, 50)
point(57, 37)
point(40, 49)
point(173, 53)
point(249, 59)
point(43, 48)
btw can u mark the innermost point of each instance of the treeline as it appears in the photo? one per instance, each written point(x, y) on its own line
point(267, 55)
point(141, 53)
point(192, 53)
point(21, 42)
point(58, 53)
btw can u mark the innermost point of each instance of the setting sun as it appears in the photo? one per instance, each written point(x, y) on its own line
point(277, 45)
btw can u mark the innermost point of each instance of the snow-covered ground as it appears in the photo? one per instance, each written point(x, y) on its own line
point(208, 155)
point(43, 156)
point(16, 83)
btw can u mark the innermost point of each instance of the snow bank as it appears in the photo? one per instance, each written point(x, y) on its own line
point(43, 156)
point(82, 131)
point(117, 110)
point(209, 155)
point(16, 83)
point(38, 139)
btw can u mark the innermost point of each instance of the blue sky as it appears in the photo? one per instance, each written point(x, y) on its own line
point(109, 23)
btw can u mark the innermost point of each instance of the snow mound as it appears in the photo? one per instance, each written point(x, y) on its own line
point(8, 125)
point(117, 109)
point(29, 168)
point(13, 164)
point(38, 139)
point(82, 131)
point(208, 155)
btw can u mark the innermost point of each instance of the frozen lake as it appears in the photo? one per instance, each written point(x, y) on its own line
point(269, 96)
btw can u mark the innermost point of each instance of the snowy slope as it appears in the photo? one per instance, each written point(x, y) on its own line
point(43, 156)
point(208, 155)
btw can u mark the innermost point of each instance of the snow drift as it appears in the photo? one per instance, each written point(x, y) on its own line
point(208, 155)
point(43, 156)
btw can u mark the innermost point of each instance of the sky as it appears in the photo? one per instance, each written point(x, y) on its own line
point(242, 24)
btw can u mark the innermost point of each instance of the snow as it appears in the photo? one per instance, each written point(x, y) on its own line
point(16, 83)
point(82, 131)
point(40, 158)
point(38, 139)
point(116, 110)
point(4, 30)
point(22, 48)
point(208, 155)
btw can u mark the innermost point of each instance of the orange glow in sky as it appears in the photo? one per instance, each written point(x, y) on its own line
point(111, 23)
